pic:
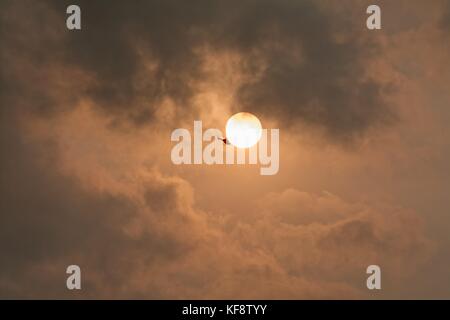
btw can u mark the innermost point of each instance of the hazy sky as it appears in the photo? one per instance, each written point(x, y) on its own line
point(86, 175)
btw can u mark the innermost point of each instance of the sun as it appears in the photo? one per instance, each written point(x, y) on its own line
point(243, 130)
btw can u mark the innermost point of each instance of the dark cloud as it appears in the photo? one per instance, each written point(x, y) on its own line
point(302, 72)
point(445, 20)
point(143, 237)
point(48, 218)
point(310, 75)
point(114, 33)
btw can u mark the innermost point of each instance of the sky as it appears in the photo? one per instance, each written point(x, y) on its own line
point(86, 176)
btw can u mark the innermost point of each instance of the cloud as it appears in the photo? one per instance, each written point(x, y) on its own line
point(143, 236)
point(51, 221)
point(445, 22)
point(83, 131)
point(297, 67)
point(309, 72)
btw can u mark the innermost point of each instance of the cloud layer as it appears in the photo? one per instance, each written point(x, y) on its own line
point(85, 124)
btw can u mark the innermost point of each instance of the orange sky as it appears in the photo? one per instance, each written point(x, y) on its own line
point(87, 179)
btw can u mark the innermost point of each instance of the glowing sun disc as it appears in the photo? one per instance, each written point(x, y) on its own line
point(243, 130)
